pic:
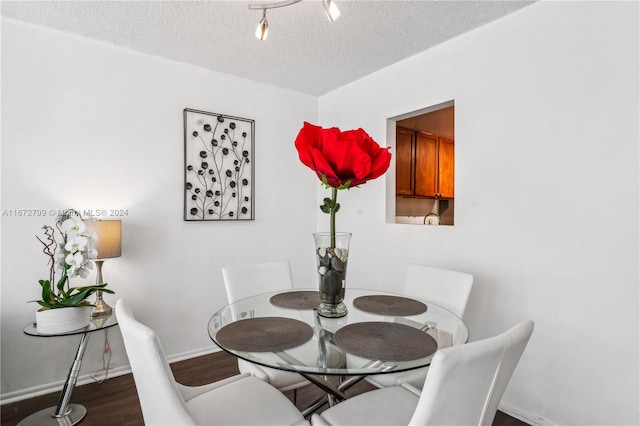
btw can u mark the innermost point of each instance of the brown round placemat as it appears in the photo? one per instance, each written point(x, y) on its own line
point(385, 341)
point(304, 299)
point(265, 334)
point(389, 305)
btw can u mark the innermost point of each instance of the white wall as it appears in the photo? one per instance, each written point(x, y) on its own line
point(90, 126)
point(546, 206)
point(547, 192)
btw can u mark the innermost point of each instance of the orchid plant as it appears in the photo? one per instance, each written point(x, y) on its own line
point(75, 252)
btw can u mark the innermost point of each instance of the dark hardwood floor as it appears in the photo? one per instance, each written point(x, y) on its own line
point(115, 401)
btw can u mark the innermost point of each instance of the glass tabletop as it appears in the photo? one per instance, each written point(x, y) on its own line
point(97, 323)
point(316, 345)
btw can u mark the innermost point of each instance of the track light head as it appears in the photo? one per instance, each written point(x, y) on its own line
point(263, 26)
point(331, 9)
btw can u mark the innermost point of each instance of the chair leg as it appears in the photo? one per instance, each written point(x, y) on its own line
point(295, 397)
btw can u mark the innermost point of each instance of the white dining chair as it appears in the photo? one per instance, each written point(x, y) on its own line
point(463, 387)
point(237, 400)
point(241, 281)
point(447, 288)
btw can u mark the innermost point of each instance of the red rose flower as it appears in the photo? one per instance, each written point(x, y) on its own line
point(341, 159)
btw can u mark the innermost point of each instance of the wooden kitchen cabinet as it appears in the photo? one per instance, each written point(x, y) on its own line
point(445, 168)
point(426, 164)
point(425, 168)
point(405, 145)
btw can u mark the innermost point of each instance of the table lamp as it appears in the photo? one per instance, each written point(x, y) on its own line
point(108, 246)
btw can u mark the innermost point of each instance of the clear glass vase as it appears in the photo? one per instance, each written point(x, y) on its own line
point(331, 260)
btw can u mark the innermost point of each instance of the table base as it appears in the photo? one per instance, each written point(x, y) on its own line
point(76, 412)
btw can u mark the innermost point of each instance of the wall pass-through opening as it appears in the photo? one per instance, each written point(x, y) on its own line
point(425, 166)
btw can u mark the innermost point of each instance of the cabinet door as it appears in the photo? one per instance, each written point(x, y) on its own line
point(446, 168)
point(426, 174)
point(404, 161)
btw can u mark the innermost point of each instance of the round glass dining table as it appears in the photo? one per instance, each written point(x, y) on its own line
point(382, 332)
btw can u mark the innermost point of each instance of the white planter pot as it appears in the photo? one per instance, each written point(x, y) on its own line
point(62, 320)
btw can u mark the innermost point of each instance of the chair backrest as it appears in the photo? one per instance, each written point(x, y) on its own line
point(242, 281)
point(447, 288)
point(160, 398)
point(465, 383)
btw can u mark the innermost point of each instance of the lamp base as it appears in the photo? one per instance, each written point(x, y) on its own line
point(47, 416)
point(101, 308)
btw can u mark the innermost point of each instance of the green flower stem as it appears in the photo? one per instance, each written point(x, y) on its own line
point(332, 221)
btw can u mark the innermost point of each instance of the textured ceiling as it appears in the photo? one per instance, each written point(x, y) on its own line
point(304, 51)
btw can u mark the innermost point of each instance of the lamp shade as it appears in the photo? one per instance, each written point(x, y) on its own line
point(109, 237)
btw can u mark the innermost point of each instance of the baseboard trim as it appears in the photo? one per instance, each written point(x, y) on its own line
point(84, 379)
point(529, 418)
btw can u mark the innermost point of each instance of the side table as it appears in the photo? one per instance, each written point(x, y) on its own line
point(66, 413)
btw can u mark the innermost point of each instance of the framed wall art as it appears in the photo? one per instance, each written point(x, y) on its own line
point(218, 169)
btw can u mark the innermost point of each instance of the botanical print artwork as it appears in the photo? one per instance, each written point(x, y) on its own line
point(219, 169)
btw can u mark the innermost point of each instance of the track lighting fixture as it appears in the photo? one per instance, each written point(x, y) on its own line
point(329, 6)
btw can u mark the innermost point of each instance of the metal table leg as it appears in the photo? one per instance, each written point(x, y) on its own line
point(64, 414)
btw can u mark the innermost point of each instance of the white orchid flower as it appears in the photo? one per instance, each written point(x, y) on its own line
point(60, 256)
point(92, 254)
point(59, 239)
point(76, 244)
point(75, 260)
point(84, 272)
point(73, 226)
